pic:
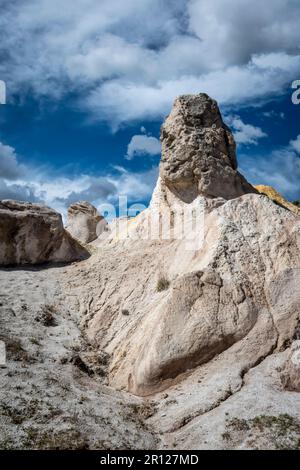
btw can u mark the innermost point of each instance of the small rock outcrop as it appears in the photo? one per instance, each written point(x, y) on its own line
point(199, 152)
point(34, 234)
point(84, 222)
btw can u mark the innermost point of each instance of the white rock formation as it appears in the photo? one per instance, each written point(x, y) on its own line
point(243, 276)
point(204, 324)
point(84, 222)
point(34, 234)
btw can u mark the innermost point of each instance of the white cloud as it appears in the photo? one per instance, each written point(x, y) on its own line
point(273, 114)
point(9, 166)
point(245, 134)
point(237, 29)
point(143, 145)
point(122, 101)
point(295, 144)
point(18, 191)
point(58, 191)
point(137, 187)
point(129, 60)
point(280, 169)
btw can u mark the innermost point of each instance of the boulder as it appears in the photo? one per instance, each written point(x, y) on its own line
point(34, 234)
point(84, 222)
point(199, 152)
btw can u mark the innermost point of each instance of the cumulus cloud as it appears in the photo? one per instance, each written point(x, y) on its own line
point(137, 187)
point(143, 145)
point(9, 166)
point(18, 191)
point(245, 134)
point(236, 30)
point(59, 191)
point(295, 144)
point(129, 60)
point(280, 169)
point(121, 101)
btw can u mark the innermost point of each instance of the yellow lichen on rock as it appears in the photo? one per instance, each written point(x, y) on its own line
point(277, 197)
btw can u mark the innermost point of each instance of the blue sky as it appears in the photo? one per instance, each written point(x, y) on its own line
point(88, 86)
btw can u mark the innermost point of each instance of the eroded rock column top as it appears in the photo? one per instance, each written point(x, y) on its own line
point(199, 152)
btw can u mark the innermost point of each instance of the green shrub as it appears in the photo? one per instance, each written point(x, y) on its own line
point(162, 284)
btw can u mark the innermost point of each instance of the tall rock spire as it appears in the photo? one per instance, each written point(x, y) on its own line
point(199, 152)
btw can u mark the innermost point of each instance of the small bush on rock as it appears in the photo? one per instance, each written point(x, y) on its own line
point(162, 284)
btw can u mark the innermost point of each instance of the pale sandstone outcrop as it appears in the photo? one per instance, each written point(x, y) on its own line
point(84, 222)
point(204, 326)
point(244, 277)
point(243, 273)
point(34, 234)
point(198, 152)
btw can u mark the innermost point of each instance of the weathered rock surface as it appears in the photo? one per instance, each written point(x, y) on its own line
point(48, 399)
point(242, 279)
point(84, 222)
point(290, 372)
point(199, 152)
point(203, 324)
point(242, 276)
point(33, 234)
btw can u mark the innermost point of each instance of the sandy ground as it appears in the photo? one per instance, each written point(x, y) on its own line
point(48, 398)
point(54, 393)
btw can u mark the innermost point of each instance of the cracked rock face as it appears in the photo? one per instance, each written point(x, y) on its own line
point(198, 152)
point(34, 234)
point(84, 222)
